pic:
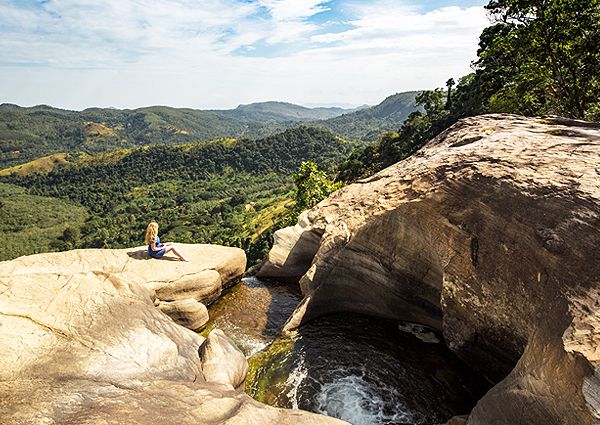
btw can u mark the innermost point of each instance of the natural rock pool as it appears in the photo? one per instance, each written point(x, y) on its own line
point(357, 368)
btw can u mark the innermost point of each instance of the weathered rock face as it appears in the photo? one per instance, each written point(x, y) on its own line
point(211, 269)
point(82, 342)
point(489, 233)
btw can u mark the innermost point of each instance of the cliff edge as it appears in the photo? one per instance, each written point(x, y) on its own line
point(489, 233)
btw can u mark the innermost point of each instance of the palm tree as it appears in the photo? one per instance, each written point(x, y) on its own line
point(450, 83)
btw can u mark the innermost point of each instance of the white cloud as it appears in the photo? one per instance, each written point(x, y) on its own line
point(290, 18)
point(293, 10)
point(181, 52)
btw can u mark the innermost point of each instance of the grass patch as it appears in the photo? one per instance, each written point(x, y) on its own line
point(44, 164)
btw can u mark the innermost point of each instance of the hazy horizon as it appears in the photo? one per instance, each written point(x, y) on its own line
point(309, 105)
point(220, 54)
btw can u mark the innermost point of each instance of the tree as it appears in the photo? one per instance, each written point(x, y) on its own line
point(542, 57)
point(71, 235)
point(312, 186)
point(449, 84)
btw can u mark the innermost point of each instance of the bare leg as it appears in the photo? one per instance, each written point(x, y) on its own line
point(176, 252)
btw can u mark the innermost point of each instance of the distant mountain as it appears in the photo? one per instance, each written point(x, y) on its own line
point(367, 123)
point(283, 111)
point(30, 133)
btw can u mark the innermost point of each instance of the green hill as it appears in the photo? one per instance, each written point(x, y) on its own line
point(223, 191)
point(283, 110)
point(368, 123)
point(27, 134)
point(30, 133)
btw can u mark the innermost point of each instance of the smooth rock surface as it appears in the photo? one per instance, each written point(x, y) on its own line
point(81, 342)
point(211, 269)
point(489, 233)
point(293, 250)
point(223, 362)
point(188, 313)
point(81, 402)
point(90, 325)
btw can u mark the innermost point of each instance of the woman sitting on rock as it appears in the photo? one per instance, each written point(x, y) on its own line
point(157, 249)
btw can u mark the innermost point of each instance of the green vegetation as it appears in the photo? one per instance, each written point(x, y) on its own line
point(366, 124)
point(30, 224)
point(392, 147)
point(231, 192)
point(312, 186)
point(30, 133)
point(539, 57)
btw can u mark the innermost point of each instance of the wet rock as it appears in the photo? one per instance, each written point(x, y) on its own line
point(222, 361)
point(493, 242)
point(457, 420)
point(188, 313)
point(139, 403)
point(292, 251)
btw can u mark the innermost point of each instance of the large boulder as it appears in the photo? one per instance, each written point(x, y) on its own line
point(89, 325)
point(82, 342)
point(211, 269)
point(222, 361)
point(489, 233)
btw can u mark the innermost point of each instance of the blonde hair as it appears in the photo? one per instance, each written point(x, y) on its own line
point(151, 232)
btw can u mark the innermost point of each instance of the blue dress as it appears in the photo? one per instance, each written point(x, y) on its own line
point(156, 254)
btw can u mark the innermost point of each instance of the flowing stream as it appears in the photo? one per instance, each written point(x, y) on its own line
point(361, 369)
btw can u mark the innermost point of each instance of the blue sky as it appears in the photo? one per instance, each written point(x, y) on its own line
point(220, 53)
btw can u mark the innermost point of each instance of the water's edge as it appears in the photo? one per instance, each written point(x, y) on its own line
point(361, 369)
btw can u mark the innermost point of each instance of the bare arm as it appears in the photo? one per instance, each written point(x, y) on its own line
point(154, 247)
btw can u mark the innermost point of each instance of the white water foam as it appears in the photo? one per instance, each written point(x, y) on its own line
point(424, 333)
point(294, 380)
point(354, 400)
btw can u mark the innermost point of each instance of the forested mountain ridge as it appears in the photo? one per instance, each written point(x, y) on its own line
point(30, 133)
point(368, 123)
point(278, 110)
point(224, 191)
